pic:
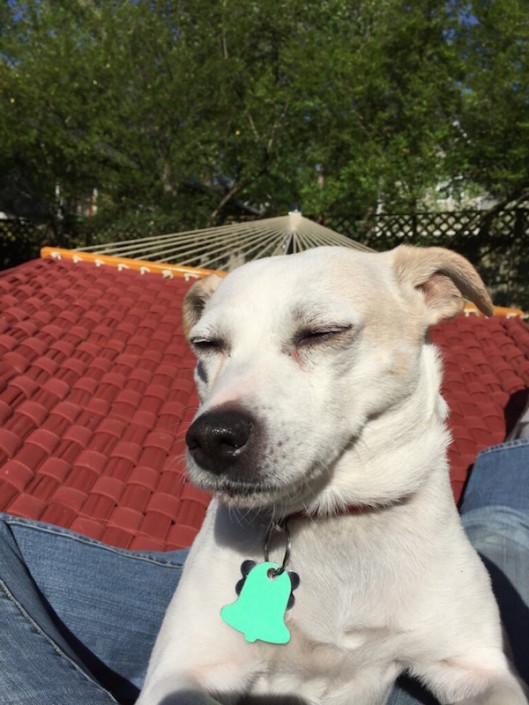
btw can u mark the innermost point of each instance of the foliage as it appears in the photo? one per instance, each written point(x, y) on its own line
point(493, 145)
point(180, 111)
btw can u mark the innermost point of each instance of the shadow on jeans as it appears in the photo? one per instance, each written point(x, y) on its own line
point(514, 616)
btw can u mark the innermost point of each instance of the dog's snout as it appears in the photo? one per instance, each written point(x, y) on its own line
point(218, 438)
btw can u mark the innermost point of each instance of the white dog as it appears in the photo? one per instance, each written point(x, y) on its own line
point(322, 435)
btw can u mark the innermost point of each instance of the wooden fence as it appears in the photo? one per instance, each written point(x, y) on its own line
point(497, 242)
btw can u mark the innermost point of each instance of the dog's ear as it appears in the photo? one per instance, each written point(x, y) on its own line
point(196, 299)
point(444, 278)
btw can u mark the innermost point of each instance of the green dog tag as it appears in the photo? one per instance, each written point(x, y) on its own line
point(259, 610)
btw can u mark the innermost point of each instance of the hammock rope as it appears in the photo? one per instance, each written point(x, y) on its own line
point(196, 253)
point(228, 246)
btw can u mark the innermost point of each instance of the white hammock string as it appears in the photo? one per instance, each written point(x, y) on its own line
point(228, 246)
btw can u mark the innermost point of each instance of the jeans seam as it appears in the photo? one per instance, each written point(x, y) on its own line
point(50, 529)
point(59, 652)
point(503, 518)
point(499, 447)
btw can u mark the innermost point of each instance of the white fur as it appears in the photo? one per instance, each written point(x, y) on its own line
point(354, 420)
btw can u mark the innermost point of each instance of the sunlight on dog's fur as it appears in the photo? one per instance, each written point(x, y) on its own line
point(320, 403)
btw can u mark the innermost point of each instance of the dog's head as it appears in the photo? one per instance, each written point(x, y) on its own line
point(303, 360)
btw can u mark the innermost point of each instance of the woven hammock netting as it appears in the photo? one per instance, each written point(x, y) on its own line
point(228, 246)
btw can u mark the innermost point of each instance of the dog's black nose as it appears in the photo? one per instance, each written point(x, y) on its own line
point(218, 438)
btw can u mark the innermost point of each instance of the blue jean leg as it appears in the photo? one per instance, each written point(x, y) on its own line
point(495, 514)
point(78, 618)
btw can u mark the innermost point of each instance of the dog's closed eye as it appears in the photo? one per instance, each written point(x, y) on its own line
point(316, 336)
point(207, 346)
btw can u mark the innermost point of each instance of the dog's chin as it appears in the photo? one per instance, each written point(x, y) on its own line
point(241, 495)
point(244, 501)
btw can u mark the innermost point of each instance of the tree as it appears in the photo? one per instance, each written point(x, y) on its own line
point(492, 149)
point(177, 110)
point(386, 104)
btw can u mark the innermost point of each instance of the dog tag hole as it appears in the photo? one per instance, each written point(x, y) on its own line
point(273, 573)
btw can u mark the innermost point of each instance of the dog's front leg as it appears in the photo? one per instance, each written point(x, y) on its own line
point(175, 691)
point(194, 663)
point(179, 676)
point(489, 687)
point(197, 657)
point(503, 692)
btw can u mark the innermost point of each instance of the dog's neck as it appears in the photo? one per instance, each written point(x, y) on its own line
point(335, 513)
point(396, 452)
point(344, 511)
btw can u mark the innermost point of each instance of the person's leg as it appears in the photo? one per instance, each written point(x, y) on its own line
point(78, 618)
point(495, 514)
point(71, 608)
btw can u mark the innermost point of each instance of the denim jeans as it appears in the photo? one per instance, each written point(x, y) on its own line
point(78, 618)
point(495, 514)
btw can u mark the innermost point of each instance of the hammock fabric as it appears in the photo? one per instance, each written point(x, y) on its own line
point(96, 393)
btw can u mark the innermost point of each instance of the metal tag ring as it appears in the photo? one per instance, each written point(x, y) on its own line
point(277, 527)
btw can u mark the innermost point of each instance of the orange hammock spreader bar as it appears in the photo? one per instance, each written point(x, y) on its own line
point(142, 266)
point(171, 270)
point(472, 310)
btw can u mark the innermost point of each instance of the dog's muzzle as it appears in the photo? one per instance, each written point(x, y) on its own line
point(222, 442)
